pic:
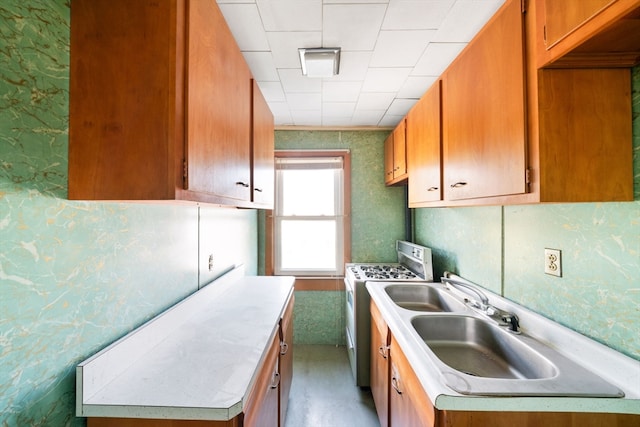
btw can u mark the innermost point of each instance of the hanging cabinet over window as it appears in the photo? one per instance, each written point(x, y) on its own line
point(160, 105)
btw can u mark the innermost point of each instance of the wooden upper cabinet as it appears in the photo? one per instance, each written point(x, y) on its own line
point(262, 151)
point(160, 104)
point(396, 156)
point(424, 149)
point(388, 159)
point(484, 112)
point(588, 33)
point(218, 107)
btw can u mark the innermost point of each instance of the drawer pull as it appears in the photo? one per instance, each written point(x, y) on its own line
point(394, 384)
point(284, 347)
point(458, 184)
point(276, 380)
point(432, 188)
point(243, 184)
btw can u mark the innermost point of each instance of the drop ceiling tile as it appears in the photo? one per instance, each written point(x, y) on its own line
point(245, 25)
point(281, 113)
point(352, 26)
point(353, 66)
point(262, 66)
point(465, 19)
point(307, 118)
point(367, 117)
point(284, 46)
point(336, 121)
point(416, 86)
point(375, 101)
point(390, 120)
point(385, 79)
point(436, 58)
point(291, 15)
point(416, 14)
point(400, 107)
point(338, 109)
point(353, 1)
point(272, 91)
point(304, 101)
point(340, 91)
point(400, 48)
point(293, 81)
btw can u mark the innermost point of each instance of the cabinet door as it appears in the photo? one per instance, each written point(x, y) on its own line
point(483, 112)
point(400, 151)
point(380, 365)
point(562, 17)
point(123, 95)
point(262, 146)
point(262, 405)
point(424, 147)
point(388, 159)
point(286, 359)
point(409, 405)
point(218, 112)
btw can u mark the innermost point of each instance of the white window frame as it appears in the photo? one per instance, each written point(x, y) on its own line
point(341, 216)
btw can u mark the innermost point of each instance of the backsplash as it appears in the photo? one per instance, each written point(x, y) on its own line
point(502, 248)
point(75, 276)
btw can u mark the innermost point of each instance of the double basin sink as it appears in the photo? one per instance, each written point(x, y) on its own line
point(475, 354)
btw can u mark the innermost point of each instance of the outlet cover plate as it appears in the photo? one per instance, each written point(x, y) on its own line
point(553, 262)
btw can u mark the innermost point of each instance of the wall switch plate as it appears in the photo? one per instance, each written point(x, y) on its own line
point(553, 262)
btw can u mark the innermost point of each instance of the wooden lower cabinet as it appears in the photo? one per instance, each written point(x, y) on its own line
point(267, 402)
point(379, 379)
point(401, 401)
point(409, 405)
point(263, 402)
point(286, 359)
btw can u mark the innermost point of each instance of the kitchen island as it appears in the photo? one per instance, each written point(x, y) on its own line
point(199, 360)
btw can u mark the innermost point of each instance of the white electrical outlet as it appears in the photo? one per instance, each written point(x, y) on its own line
point(553, 262)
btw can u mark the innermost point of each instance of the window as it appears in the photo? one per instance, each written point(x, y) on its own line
point(310, 221)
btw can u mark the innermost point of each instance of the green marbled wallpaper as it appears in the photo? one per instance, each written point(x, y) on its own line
point(502, 248)
point(75, 276)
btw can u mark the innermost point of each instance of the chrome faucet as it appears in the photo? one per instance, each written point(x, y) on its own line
point(484, 300)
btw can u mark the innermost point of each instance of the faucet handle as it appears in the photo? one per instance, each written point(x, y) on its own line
point(512, 322)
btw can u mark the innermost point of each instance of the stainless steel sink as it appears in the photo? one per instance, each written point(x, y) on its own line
point(423, 298)
point(476, 347)
point(475, 356)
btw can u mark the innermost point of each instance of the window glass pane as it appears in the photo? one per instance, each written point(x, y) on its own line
point(308, 192)
point(308, 245)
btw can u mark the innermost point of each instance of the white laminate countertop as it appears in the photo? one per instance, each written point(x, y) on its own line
point(616, 368)
point(197, 360)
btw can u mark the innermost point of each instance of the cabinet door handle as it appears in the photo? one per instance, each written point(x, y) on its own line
point(276, 380)
point(395, 384)
point(432, 188)
point(244, 184)
point(259, 190)
point(458, 184)
point(383, 350)
point(284, 347)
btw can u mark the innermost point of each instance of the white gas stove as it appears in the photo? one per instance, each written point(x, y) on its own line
point(414, 264)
